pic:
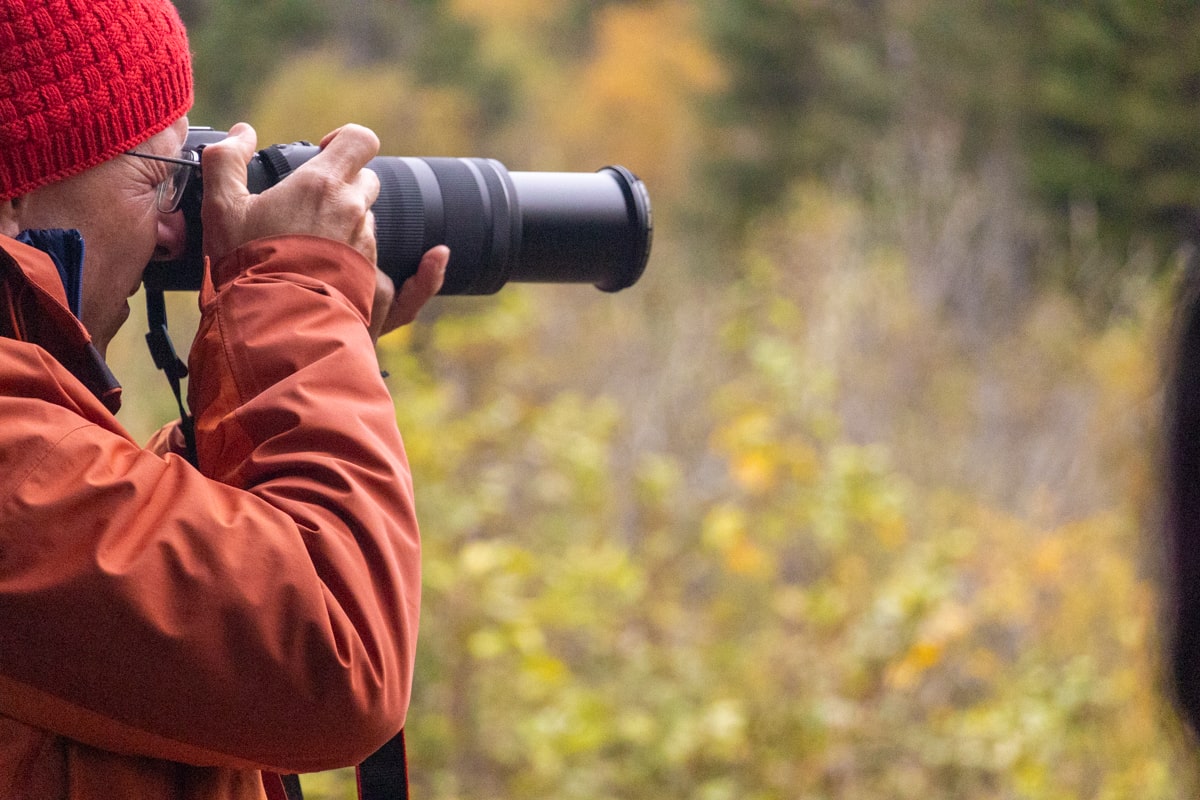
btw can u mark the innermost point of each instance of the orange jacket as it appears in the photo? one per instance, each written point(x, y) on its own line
point(165, 631)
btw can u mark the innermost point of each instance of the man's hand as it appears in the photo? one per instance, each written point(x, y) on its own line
point(330, 195)
point(392, 309)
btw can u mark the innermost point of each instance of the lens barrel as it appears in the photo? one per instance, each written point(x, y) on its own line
point(500, 226)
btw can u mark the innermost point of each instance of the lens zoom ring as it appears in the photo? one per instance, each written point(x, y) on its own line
point(467, 228)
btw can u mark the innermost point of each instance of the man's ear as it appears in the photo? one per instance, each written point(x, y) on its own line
point(8, 217)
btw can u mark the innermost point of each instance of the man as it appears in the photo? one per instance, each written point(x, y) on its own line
point(170, 631)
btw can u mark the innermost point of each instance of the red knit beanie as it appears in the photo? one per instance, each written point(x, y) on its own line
point(84, 80)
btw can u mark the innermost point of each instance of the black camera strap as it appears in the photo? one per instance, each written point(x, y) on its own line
point(162, 350)
point(383, 776)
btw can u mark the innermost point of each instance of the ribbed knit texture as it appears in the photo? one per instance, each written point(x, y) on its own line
point(84, 80)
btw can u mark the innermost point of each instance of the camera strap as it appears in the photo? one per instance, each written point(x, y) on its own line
point(162, 350)
point(383, 776)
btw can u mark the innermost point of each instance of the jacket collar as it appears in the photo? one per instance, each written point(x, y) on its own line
point(38, 269)
point(65, 248)
point(35, 293)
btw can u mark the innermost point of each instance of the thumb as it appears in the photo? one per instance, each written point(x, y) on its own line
point(225, 205)
point(224, 165)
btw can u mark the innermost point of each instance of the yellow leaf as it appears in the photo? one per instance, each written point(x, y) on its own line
point(920, 658)
point(745, 558)
point(754, 472)
point(723, 527)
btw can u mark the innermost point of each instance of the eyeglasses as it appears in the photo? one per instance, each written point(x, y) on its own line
point(170, 191)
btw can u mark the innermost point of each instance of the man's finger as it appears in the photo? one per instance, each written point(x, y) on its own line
point(427, 281)
point(419, 288)
point(346, 150)
point(368, 181)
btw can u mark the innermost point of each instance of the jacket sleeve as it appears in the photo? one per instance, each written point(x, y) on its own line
point(258, 612)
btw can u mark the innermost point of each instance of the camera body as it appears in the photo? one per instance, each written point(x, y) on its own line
point(501, 226)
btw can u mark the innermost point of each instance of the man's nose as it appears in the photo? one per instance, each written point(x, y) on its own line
point(172, 236)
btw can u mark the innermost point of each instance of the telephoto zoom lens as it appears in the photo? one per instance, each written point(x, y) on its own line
point(500, 226)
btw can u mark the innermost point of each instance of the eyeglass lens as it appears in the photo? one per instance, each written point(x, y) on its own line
point(171, 190)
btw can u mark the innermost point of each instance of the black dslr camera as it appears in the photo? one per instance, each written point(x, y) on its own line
point(501, 226)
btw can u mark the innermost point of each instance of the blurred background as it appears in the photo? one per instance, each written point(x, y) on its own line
point(855, 494)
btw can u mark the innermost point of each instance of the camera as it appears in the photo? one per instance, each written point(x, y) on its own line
point(501, 226)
